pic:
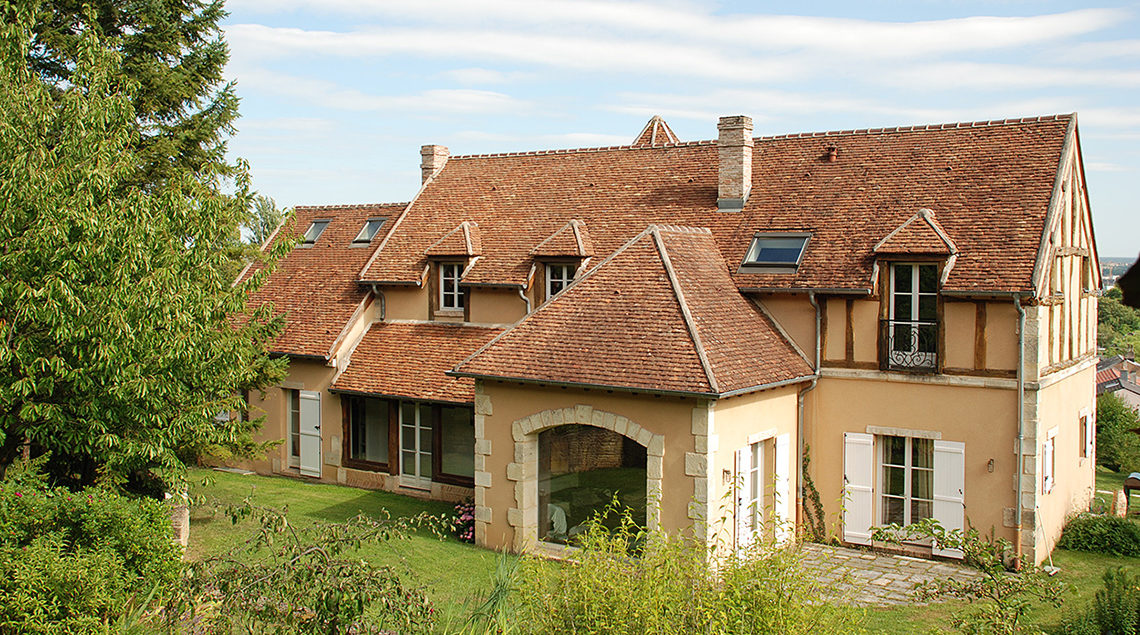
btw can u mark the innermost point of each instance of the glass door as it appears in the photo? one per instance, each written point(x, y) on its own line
point(415, 445)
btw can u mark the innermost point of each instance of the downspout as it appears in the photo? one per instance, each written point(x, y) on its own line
point(800, 413)
point(1020, 423)
point(522, 294)
point(383, 303)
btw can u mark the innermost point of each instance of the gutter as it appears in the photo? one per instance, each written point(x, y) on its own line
point(1020, 456)
point(800, 410)
point(632, 389)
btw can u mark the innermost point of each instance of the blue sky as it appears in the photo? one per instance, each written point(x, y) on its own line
point(339, 95)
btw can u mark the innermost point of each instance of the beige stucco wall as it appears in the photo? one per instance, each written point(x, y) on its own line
point(865, 330)
point(835, 333)
point(671, 417)
point(303, 375)
point(496, 306)
point(737, 423)
point(794, 314)
point(405, 303)
point(1001, 336)
point(982, 418)
point(1060, 406)
point(960, 332)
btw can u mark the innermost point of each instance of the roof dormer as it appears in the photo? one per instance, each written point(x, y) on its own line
point(464, 240)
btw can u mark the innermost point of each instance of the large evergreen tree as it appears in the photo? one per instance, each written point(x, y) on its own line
point(118, 351)
point(173, 50)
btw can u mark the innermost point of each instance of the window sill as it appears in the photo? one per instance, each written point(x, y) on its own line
point(370, 466)
point(449, 312)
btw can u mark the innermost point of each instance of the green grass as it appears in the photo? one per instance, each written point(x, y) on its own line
point(455, 574)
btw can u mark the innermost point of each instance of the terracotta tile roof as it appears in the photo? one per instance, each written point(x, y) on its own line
point(1107, 375)
point(655, 133)
point(316, 287)
point(409, 360)
point(661, 314)
point(571, 240)
point(461, 241)
point(989, 184)
point(919, 234)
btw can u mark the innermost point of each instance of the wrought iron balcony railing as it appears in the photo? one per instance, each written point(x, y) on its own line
point(910, 345)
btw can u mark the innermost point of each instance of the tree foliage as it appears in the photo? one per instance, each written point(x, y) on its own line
point(1118, 326)
point(115, 304)
point(263, 219)
point(1117, 446)
point(172, 50)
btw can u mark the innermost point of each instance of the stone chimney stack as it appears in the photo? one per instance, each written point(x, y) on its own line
point(735, 178)
point(432, 159)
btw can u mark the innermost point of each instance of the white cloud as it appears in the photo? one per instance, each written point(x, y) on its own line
point(287, 124)
point(1103, 50)
point(955, 76)
point(1100, 166)
point(566, 140)
point(477, 76)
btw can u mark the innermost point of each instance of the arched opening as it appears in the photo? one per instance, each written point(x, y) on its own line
point(581, 470)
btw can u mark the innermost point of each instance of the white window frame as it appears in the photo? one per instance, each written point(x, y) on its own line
point(319, 225)
point(1088, 434)
point(450, 300)
point(910, 356)
point(293, 408)
point(363, 237)
point(413, 475)
point(1049, 461)
point(565, 275)
point(749, 510)
point(908, 478)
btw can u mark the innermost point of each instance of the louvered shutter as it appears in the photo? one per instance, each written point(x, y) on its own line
point(949, 489)
point(310, 430)
point(744, 536)
point(783, 504)
point(858, 487)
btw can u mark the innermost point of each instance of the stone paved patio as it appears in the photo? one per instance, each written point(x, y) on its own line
point(866, 578)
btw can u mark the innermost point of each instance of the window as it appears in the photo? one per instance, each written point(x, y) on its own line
point(457, 441)
point(907, 480)
point(1048, 461)
point(776, 250)
point(294, 397)
point(1088, 435)
point(450, 295)
point(558, 277)
point(750, 496)
point(368, 430)
point(912, 329)
point(368, 232)
point(314, 232)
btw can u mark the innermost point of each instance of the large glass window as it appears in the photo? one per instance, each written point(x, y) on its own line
point(581, 470)
point(450, 295)
point(913, 328)
point(907, 485)
point(457, 441)
point(368, 430)
point(415, 443)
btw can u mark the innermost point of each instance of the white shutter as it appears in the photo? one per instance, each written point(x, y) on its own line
point(783, 504)
point(949, 490)
point(744, 535)
point(858, 483)
point(310, 430)
point(1090, 437)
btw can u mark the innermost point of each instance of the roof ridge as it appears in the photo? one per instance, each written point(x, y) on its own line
point(353, 205)
point(530, 153)
point(686, 313)
point(921, 127)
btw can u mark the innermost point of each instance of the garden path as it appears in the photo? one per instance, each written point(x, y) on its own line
point(867, 578)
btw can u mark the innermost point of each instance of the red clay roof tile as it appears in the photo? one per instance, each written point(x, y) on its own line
point(571, 240)
point(919, 234)
point(655, 133)
point(462, 241)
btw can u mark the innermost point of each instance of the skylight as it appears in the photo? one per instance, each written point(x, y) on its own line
point(776, 250)
point(314, 232)
point(368, 232)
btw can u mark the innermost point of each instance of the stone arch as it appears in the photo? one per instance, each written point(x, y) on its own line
point(523, 472)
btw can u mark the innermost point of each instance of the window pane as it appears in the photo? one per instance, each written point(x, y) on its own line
point(922, 484)
point(315, 230)
point(893, 511)
point(927, 279)
point(921, 510)
point(894, 481)
point(922, 453)
point(372, 431)
point(894, 450)
point(408, 464)
point(457, 441)
point(903, 277)
point(927, 308)
point(903, 304)
point(776, 250)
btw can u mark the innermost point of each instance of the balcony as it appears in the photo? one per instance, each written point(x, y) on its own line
point(910, 345)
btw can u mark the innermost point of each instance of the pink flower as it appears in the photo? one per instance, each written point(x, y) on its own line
point(19, 495)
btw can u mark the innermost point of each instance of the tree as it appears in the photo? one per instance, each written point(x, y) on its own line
point(1118, 326)
point(1117, 446)
point(173, 50)
point(119, 348)
point(263, 219)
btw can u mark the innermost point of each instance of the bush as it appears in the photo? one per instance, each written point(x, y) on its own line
point(72, 562)
point(1101, 534)
point(630, 581)
point(463, 524)
point(1117, 447)
point(1114, 611)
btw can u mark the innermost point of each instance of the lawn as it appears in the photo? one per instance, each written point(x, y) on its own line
point(455, 574)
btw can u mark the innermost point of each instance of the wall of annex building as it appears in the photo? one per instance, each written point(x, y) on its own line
point(983, 418)
point(495, 306)
point(499, 477)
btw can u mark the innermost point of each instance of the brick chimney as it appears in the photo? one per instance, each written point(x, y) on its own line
point(432, 160)
point(735, 175)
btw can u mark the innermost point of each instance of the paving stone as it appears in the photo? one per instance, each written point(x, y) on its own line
point(863, 578)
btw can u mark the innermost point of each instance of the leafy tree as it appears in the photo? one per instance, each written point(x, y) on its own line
point(115, 311)
point(263, 219)
point(173, 50)
point(1117, 447)
point(1118, 326)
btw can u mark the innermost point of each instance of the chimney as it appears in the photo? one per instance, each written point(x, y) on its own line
point(735, 178)
point(432, 160)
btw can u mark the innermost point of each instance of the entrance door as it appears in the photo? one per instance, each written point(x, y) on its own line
point(415, 445)
point(309, 430)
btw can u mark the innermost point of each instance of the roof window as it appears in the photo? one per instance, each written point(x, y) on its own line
point(368, 232)
point(314, 232)
point(775, 250)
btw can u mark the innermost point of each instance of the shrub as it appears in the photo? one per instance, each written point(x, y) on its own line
point(71, 562)
point(463, 524)
point(630, 581)
point(1115, 610)
point(1101, 534)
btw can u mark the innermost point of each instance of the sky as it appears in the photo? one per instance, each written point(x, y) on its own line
point(339, 95)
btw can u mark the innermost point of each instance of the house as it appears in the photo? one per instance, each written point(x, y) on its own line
point(1120, 376)
point(677, 323)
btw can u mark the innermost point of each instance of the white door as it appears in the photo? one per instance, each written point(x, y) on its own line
point(415, 445)
point(783, 490)
point(858, 487)
point(949, 489)
point(310, 433)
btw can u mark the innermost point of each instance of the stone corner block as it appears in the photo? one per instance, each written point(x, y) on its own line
point(483, 405)
point(483, 446)
point(696, 464)
point(483, 513)
point(514, 517)
point(656, 446)
point(482, 479)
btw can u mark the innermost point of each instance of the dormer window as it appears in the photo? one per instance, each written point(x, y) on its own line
point(778, 251)
point(558, 277)
point(450, 295)
point(368, 232)
point(912, 327)
point(314, 232)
